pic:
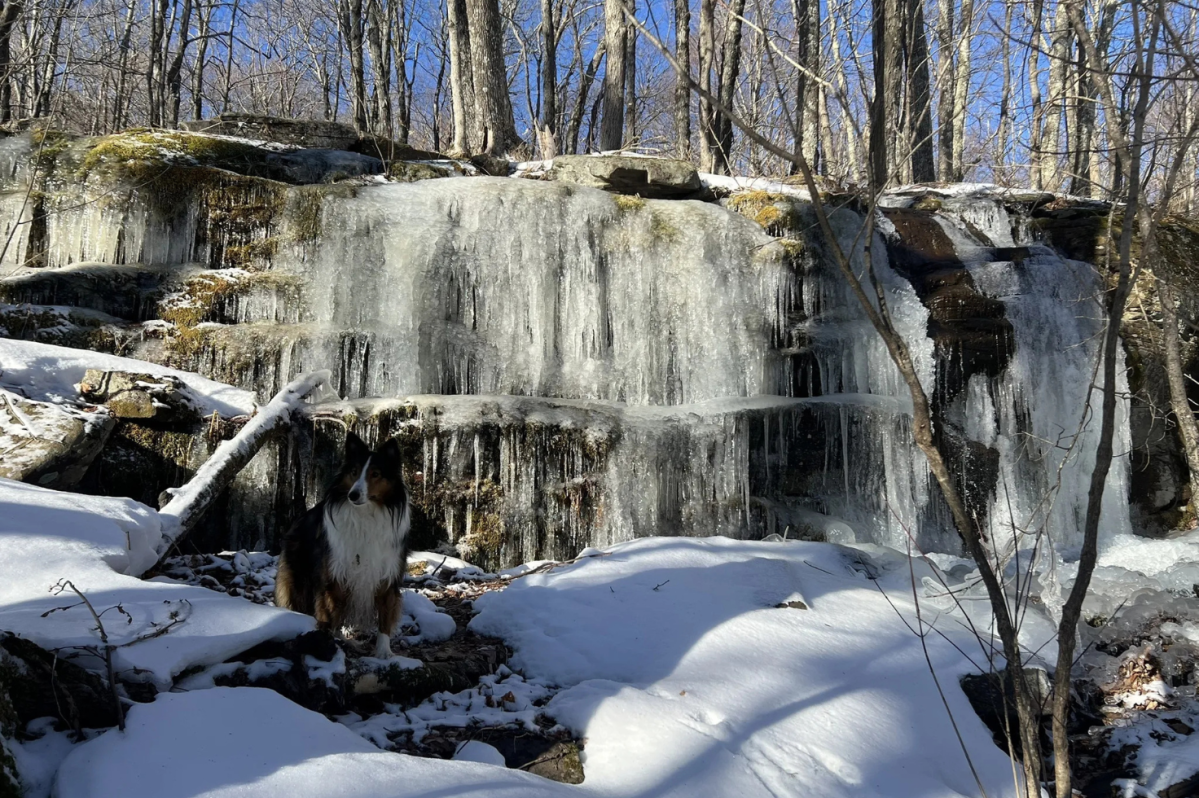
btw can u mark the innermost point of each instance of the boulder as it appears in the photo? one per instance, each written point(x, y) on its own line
point(300, 133)
point(322, 166)
point(47, 444)
point(994, 699)
point(650, 178)
point(141, 396)
point(43, 684)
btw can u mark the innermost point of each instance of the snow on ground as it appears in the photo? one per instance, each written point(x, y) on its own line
point(50, 373)
point(677, 666)
point(98, 544)
point(245, 741)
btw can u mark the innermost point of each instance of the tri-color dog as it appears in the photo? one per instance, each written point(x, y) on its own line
point(343, 561)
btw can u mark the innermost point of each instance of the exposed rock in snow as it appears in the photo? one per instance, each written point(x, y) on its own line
point(649, 178)
point(53, 374)
point(49, 444)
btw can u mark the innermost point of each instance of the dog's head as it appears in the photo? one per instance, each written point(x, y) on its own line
point(372, 476)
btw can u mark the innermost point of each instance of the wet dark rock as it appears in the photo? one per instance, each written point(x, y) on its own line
point(129, 292)
point(41, 684)
point(323, 166)
point(540, 754)
point(994, 699)
point(649, 178)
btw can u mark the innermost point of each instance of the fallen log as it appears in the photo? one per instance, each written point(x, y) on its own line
point(188, 502)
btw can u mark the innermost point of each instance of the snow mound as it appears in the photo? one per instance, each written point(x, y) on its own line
point(50, 373)
point(246, 742)
point(686, 678)
point(98, 544)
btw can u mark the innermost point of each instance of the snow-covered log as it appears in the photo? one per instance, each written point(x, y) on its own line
point(189, 502)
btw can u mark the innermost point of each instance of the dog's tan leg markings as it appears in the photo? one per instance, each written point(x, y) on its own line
point(388, 603)
point(331, 607)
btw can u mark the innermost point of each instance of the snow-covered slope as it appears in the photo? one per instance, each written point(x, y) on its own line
point(98, 543)
point(680, 670)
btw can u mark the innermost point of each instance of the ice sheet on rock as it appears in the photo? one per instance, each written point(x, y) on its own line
point(96, 542)
point(253, 743)
point(523, 287)
point(50, 373)
point(653, 644)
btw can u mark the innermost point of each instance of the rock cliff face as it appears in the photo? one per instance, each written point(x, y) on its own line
point(569, 367)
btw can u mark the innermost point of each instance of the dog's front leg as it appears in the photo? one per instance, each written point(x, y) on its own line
point(388, 604)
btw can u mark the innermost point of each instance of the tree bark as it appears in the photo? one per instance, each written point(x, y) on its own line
point(9, 13)
point(378, 36)
point(549, 80)
point(580, 109)
point(174, 73)
point(961, 88)
point(349, 16)
point(924, 168)
point(616, 40)
point(1035, 154)
point(682, 91)
point(462, 82)
point(707, 63)
point(493, 105)
point(730, 71)
point(201, 57)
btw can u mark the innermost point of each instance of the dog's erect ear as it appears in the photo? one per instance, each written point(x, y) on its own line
point(356, 450)
point(389, 452)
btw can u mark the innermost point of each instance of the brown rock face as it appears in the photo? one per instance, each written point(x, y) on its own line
point(971, 335)
point(970, 331)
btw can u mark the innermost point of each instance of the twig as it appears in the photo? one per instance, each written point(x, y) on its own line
point(66, 584)
point(658, 586)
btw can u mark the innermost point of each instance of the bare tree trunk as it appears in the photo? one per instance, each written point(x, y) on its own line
point(462, 84)
point(616, 32)
point(41, 106)
point(947, 122)
point(228, 88)
point(682, 92)
point(923, 163)
point(707, 63)
point(807, 90)
point(351, 23)
point(378, 35)
point(580, 109)
point(890, 51)
point(630, 81)
point(1005, 101)
point(9, 12)
point(1035, 154)
point(549, 80)
point(201, 58)
point(1059, 62)
point(174, 73)
point(1129, 158)
point(491, 77)
point(961, 88)
point(398, 22)
point(730, 71)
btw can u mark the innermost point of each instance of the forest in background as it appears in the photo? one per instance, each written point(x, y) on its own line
point(996, 90)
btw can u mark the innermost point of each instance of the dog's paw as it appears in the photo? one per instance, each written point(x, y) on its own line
point(383, 647)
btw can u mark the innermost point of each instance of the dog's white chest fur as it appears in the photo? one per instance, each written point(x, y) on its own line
point(365, 544)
